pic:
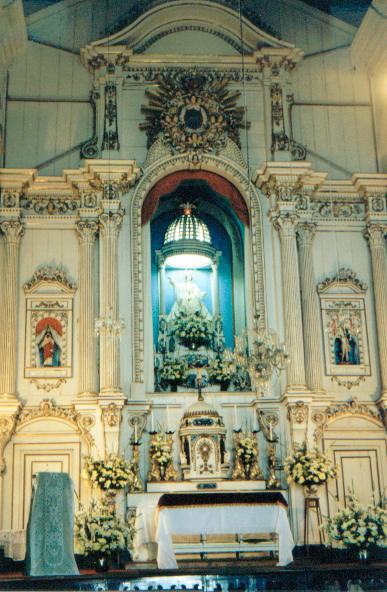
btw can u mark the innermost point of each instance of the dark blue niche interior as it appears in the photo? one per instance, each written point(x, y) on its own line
point(202, 277)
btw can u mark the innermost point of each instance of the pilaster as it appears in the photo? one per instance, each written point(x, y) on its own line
point(12, 232)
point(310, 309)
point(286, 223)
point(110, 225)
point(375, 234)
point(87, 231)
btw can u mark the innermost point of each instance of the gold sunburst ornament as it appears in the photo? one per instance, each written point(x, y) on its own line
point(193, 112)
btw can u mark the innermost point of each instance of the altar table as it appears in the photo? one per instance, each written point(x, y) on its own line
point(212, 513)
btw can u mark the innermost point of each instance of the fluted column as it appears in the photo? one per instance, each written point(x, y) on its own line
point(87, 230)
point(310, 308)
point(110, 224)
point(375, 235)
point(13, 231)
point(286, 226)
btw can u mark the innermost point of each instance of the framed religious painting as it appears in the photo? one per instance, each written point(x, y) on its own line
point(342, 300)
point(49, 320)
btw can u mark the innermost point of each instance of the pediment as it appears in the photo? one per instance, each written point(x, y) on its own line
point(173, 20)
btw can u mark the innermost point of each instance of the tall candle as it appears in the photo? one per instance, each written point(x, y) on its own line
point(135, 433)
point(167, 418)
point(152, 422)
point(235, 417)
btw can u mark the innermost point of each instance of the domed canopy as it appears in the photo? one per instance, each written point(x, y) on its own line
point(187, 242)
point(187, 227)
point(200, 409)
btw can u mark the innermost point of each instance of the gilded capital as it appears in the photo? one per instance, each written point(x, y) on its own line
point(306, 232)
point(375, 234)
point(87, 231)
point(286, 225)
point(13, 231)
point(110, 223)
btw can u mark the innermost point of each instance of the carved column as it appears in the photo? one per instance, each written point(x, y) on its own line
point(375, 235)
point(310, 309)
point(13, 231)
point(286, 226)
point(87, 230)
point(110, 224)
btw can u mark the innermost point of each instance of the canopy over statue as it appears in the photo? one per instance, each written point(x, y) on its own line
point(188, 299)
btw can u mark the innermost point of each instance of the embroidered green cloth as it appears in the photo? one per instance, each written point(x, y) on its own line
point(50, 530)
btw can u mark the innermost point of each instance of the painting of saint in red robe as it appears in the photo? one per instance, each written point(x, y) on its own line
point(49, 332)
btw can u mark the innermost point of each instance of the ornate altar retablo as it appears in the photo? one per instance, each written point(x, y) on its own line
point(202, 441)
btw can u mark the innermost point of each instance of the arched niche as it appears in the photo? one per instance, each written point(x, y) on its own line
point(237, 179)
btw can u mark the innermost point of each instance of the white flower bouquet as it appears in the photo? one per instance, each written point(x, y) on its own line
point(309, 467)
point(113, 473)
point(160, 451)
point(220, 371)
point(246, 456)
point(358, 525)
point(193, 331)
point(98, 530)
point(173, 371)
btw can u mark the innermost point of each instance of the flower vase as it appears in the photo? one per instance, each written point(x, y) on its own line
point(173, 387)
point(363, 556)
point(101, 563)
point(162, 469)
point(310, 490)
point(110, 496)
point(224, 385)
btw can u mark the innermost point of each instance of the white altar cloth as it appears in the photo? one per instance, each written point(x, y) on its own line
point(157, 525)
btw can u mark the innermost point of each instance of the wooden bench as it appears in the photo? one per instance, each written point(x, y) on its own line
point(220, 545)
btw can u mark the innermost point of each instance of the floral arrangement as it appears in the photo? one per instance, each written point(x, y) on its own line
point(112, 473)
point(193, 330)
point(173, 371)
point(358, 525)
point(160, 455)
point(98, 530)
point(160, 449)
point(220, 371)
point(246, 456)
point(309, 467)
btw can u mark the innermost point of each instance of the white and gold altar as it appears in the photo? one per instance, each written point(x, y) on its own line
point(193, 217)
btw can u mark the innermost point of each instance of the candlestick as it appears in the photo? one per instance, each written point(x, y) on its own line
point(235, 417)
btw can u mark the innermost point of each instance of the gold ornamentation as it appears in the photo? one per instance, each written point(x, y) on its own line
point(161, 459)
point(49, 274)
point(344, 276)
point(272, 481)
point(323, 417)
point(47, 408)
point(7, 429)
point(246, 456)
point(47, 386)
point(349, 383)
point(193, 111)
point(298, 412)
point(111, 415)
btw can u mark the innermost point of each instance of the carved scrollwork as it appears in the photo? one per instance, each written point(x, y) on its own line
point(47, 386)
point(137, 421)
point(49, 274)
point(343, 276)
point(111, 415)
point(48, 408)
point(7, 429)
point(13, 231)
point(298, 412)
point(351, 408)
